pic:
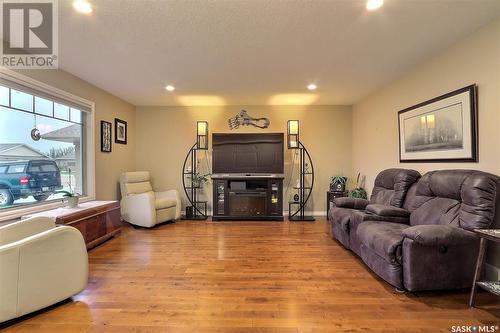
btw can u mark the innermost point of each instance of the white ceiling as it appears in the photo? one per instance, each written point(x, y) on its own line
point(246, 52)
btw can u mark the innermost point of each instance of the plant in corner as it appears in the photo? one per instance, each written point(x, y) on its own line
point(337, 183)
point(358, 192)
point(198, 179)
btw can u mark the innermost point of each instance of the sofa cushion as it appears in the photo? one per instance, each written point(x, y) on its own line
point(136, 188)
point(383, 238)
point(391, 186)
point(461, 198)
point(162, 203)
point(135, 183)
point(383, 210)
point(348, 202)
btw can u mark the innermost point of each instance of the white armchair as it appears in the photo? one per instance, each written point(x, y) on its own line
point(40, 265)
point(141, 206)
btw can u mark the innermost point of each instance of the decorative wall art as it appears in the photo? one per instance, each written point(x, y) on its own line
point(244, 119)
point(105, 136)
point(443, 129)
point(120, 131)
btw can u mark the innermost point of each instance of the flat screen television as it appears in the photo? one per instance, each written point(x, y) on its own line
point(247, 153)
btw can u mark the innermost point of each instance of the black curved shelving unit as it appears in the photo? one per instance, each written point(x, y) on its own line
point(190, 190)
point(304, 191)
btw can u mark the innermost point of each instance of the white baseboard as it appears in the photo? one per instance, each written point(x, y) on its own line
point(318, 213)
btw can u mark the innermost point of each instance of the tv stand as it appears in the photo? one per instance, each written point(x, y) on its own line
point(247, 197)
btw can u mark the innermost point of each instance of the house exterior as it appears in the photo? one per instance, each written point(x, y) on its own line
point(19, 151)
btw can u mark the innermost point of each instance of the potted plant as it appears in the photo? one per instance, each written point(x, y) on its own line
point(198, 179)
point(337, 183)
point(358, 192)
point(72, 198)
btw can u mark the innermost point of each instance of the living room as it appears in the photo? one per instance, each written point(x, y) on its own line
point(250, 166)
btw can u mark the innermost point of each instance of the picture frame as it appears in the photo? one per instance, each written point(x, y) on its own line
point(106, 130)
point(120, 131)
point(442, 129)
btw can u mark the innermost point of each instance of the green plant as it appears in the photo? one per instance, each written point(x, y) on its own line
point(338, 180)
point(198, 178)
point(358, 192)
point(67, 194)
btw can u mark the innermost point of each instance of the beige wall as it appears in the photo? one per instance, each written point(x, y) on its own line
point(167, 133)
point(473, 60)
point(109, 166)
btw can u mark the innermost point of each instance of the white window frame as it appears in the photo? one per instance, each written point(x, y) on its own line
point(89, 157)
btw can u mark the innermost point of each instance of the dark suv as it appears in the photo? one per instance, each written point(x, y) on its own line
point(20, 179)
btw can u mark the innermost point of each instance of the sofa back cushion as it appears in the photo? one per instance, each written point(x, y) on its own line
point(391, 186)
point(462, 198)
point(135, 183)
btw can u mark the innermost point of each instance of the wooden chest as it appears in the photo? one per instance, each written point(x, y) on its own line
point(98, 221)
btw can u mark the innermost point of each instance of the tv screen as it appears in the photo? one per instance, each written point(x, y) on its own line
point(247, 153)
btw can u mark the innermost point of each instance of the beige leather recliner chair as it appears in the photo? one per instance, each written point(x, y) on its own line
point(40, 265)
point(141, 206)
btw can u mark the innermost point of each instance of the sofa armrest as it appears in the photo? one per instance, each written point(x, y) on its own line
point(15, 231)
point(353, 203)
point(174, 194)
point(42, 270)
point(384, 210)
point(439, 235)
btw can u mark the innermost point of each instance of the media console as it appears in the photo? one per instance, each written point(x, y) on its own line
point(247, 197)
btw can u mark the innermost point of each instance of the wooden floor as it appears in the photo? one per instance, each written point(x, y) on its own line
point(245, 277)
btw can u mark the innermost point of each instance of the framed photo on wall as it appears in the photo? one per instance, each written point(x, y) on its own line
point(443, 129)
point(120, 131)
point(106, 136)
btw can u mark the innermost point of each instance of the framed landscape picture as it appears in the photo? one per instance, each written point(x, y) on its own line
point(443, 129)
point(105, 136)
point(120, 131)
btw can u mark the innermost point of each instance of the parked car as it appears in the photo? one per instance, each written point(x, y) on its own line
point(21, 179)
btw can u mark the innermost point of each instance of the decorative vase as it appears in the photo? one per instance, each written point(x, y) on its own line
point(72, 202)
point(337, 187)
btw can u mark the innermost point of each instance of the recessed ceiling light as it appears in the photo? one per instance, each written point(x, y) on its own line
point(374, 4)
point(170, 88)
point(82, 6)
point(312, 86)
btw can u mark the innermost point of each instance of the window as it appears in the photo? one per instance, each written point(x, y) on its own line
point(42, 148)
point(16, 168)
point(21, 101)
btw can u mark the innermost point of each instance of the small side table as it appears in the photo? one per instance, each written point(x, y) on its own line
point(331, 195)
point(491, 286)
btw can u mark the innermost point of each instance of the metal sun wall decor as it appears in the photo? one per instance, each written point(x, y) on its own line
point(244, 119)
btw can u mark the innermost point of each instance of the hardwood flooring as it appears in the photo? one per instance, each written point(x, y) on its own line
point(243, 277)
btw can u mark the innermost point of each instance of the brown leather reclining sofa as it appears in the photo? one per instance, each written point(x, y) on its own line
point(416, 232)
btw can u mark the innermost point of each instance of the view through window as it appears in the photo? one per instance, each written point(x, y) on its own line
point(41, 149)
